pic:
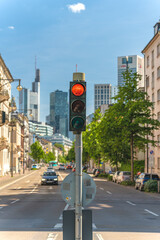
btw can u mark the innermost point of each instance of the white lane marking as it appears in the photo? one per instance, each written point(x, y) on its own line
point(66, 207)
point(58, 225)
point(15, 201)
point(19, 188)
point(61, 217)
point(1, 207)
point(60, 176)
point(50, 187)
point(101, 188)
point(108, 192)
point(133, 204)
point(52, 236)
point(151, 212)
point(94, 226)
point(34, 189)
point(15, 181)
point(99, 236)
point(27, 181)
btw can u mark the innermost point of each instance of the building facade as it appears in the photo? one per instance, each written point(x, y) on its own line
point(152, 87)
point(59, 112)
point(40, 128)
point(5, 100)
point(135, 63)
point(102, 95)
point(31, 99)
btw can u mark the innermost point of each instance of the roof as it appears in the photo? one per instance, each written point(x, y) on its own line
point(155, 37)
point(7, 72)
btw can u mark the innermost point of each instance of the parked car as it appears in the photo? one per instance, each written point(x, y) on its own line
point(124, 176)
point(62, 166)
point(35, 166)
point(49, 178)
point(144, 177)
point(115, 176)
point(97, 172)
point(69, 167)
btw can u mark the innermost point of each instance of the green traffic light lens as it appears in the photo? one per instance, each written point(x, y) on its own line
point(77, 123)
point(78, 106)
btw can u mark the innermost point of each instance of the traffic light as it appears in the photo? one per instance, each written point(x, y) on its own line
point(77, 107)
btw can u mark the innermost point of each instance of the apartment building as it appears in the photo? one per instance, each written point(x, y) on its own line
point(152, 87)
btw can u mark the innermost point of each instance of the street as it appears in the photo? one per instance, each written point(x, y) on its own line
point(31, 211)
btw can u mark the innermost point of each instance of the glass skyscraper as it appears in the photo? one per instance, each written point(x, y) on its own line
point(59, 112)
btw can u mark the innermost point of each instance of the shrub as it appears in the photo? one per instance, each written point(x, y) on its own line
point(110, 178)
point(128, 183)
point(151, 186)
point(103, 175)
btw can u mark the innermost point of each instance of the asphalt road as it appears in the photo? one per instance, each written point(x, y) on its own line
point(29, 211)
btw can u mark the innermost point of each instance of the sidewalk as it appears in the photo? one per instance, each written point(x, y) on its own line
point(8, 179)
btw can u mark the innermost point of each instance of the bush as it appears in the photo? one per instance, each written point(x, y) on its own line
point(105, 175)
point(128, 183)
point(151, 186)
point(110, 178)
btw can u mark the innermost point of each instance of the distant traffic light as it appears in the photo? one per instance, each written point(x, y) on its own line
point(77, 106)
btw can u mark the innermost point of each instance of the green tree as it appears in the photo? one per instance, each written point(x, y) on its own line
point(60, 146)
point(49, 157)
point(37, 152)
point(135, 115)
point(71, 154)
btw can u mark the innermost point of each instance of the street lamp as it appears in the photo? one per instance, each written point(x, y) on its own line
point(19, 87)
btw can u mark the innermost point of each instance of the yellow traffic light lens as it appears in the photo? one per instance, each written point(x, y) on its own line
point(78, 89)
point(78, 106)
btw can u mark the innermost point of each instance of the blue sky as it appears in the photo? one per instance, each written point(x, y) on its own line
point(62, 33)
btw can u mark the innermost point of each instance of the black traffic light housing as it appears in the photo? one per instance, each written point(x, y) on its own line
point(77, 106)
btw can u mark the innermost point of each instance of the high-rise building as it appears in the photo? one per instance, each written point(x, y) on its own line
point(31, 99)
point(135, 64)
point(102, 95)
point(59, 112)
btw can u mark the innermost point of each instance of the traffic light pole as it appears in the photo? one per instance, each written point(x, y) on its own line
point(78, 188)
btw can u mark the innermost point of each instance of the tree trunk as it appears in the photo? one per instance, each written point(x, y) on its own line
point(132, 160)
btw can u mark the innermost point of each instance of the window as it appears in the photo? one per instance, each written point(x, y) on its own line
point(148, 61)
point(96, 91)
point(95, 96)
point(147, 81)
point(158, 72)
point(152, 58)
point(101, 91)
point(158, 95)
point(158, 116)
point(124, 60)
point(152, 80)
point(158, 50)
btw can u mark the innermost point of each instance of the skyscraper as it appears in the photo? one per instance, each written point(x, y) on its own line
point(31, 99)
point(59, 112)
point(135, 64)
point(102, 95)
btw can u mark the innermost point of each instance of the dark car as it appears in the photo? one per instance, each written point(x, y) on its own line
point(69, 167)
point(49, 178)
point(97, 172)
point(144, 177)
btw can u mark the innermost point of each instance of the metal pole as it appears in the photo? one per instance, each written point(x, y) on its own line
point(23, 148)
point(78, 189)
point(12, 152)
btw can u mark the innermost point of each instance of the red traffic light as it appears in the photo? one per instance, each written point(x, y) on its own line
point(78, 89)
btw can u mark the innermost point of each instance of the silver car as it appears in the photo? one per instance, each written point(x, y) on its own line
point(124, 176)
point(115, 176)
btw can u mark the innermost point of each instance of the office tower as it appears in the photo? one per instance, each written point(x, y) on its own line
point(59, 112)
point(102, 95)
point(30, 100)
point(135, 64)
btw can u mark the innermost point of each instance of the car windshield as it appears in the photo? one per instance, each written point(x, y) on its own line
point(155, 177)
point(49, 174)
point(61, 165)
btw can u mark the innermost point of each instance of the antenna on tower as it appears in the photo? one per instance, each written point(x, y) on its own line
point(76, 67)
point(35, 64)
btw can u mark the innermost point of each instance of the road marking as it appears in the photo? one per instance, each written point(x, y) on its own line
point(50, 187)
point(133, 204)
point(58, 225)
point(61, 217)
point(52, 236)
point(15, 201)
point(27, 181)
point(34, 189)
point(1, 207)
point(108, 192)
point(15, 181)
point(151, 212)
point(19, 188)
point(60, 176)
point(66, 207)
point(94, 226)
point(101, 188)
point(99, 236)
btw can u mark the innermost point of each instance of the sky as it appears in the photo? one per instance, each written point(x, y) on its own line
point(63, 33)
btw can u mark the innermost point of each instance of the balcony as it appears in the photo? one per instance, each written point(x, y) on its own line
point(3, 143)
point(4, 95)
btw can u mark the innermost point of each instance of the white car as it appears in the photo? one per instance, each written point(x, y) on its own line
point(62, 166)
point(115, 176)
point(124, 176)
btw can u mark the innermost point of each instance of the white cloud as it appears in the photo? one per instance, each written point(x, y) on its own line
point(11, 27)
point(77, 8)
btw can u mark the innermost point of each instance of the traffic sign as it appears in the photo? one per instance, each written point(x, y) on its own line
point(151, 152)
point(68, 189)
